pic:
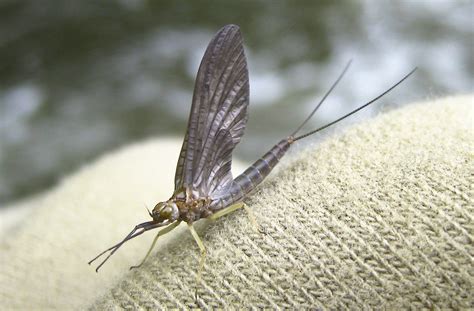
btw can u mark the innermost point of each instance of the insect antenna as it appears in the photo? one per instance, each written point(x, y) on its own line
point(354, 111)
point(148, 210)
point(143, 226)
point(324, 98)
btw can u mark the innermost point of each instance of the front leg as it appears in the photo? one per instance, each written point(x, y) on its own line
point(161, 233)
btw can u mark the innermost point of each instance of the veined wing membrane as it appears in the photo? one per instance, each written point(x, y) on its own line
point(218, 116)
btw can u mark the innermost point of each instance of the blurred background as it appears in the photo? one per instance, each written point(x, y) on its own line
point(80, 78)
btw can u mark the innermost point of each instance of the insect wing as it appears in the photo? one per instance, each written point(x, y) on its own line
point(218, 116)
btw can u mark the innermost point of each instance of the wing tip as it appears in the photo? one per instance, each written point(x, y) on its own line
point(229, 28)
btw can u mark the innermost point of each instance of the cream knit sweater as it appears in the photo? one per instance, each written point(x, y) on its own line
point(380, 216)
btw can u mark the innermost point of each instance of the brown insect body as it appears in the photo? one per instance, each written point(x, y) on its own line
point(188, 206)
point(204, 186)
point(193, 209)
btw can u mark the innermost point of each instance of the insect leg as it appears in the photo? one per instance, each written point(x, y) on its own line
point(252, 218)
point(161, 233)
point(203, 254)
point(143, 227)
point(234, 207)
point(226, 210)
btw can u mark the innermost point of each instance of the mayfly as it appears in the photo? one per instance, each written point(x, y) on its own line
point(204, 186)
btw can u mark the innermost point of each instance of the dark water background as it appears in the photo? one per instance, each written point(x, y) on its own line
point(79, 78)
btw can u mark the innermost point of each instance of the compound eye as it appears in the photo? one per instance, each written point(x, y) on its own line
point(166, 212)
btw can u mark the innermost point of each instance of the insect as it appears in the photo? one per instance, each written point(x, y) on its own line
point(204, 186)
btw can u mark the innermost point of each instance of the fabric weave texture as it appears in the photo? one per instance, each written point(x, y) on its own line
point(379, 216)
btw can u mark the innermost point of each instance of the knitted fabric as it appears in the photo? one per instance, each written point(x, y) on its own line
point(378, 217)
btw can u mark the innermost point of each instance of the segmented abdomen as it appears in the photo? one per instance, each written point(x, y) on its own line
point(252, 176)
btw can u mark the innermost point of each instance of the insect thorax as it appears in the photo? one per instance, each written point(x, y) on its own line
point(191, 207)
